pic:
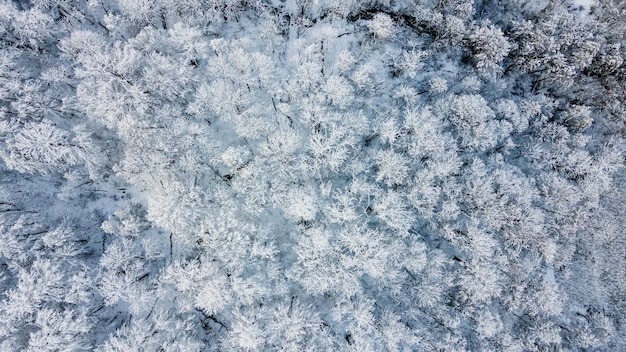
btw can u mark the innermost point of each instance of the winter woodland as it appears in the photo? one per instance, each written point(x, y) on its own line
point(312, 175)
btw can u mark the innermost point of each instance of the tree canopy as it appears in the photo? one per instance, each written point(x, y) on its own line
point(295, 175)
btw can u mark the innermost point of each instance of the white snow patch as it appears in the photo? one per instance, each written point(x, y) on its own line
point(584, 5)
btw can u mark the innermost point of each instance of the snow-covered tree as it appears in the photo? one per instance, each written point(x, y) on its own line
point(311, 175)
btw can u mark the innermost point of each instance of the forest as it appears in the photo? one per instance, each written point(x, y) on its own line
point(312, 175)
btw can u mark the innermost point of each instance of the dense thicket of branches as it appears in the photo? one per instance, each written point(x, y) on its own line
point(312, 175)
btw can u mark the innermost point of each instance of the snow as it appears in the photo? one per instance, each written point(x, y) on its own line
point(584, 3)
point(304, 175)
